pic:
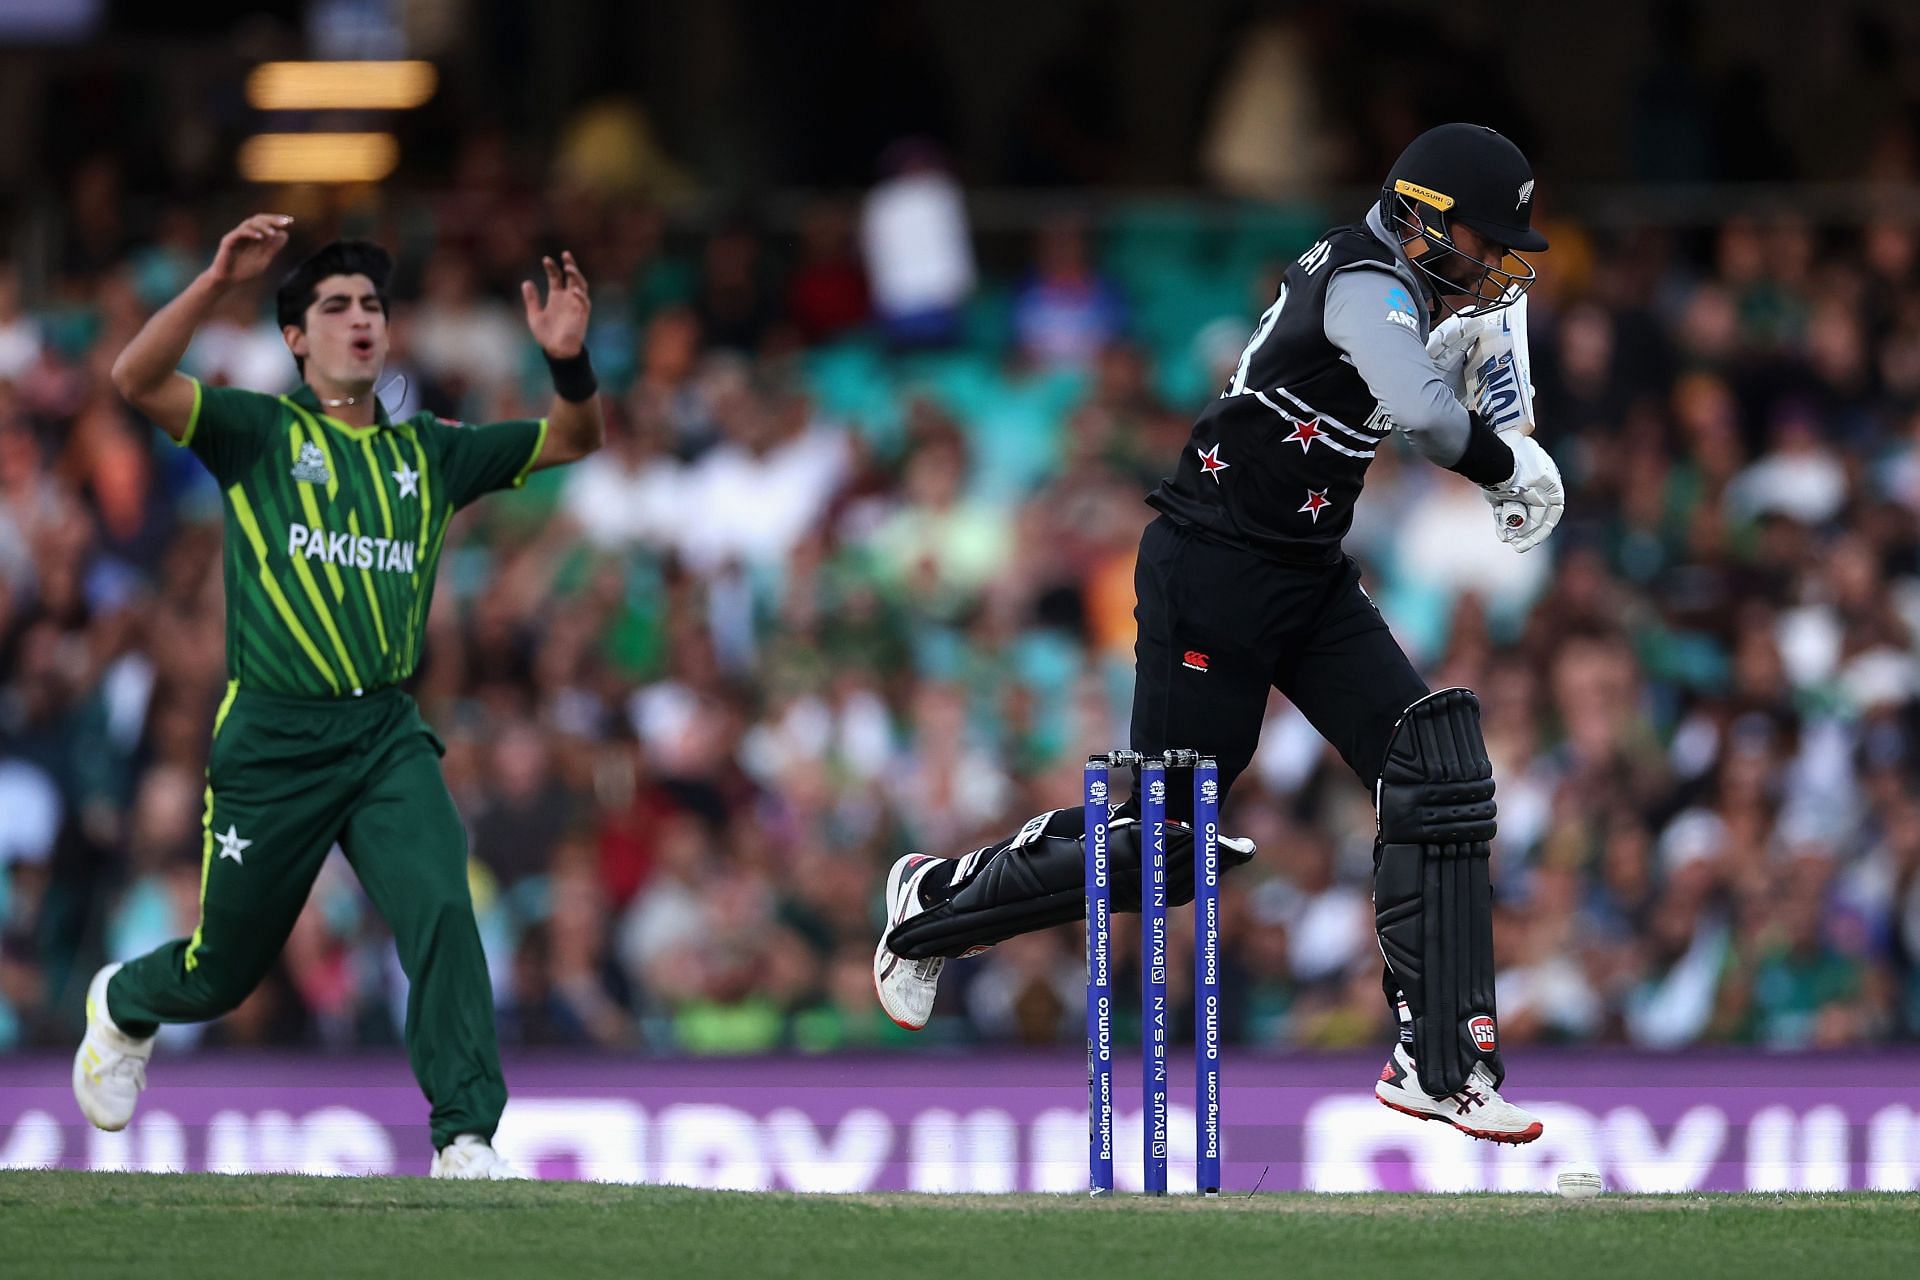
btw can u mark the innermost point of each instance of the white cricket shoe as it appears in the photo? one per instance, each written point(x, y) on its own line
point(472, 1157)
point(906, 987)
point(110, 1069)
point(1477, 1109)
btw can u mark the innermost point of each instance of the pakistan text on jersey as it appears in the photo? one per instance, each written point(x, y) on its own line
point(348, 551)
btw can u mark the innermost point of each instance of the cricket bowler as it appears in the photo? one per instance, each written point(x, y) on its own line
point(335, 515)
point(1400, 322)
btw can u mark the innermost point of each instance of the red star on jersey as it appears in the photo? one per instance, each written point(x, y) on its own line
point(1316, 499)
point(1210, 464)
point(1306, 433)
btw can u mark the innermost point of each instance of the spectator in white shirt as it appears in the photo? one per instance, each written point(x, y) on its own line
point(633, 491)
point(19, 332)
point(468, 342)
point(918, 249)
point(751, 499)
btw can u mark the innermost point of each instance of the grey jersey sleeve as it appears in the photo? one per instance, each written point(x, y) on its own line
point(1370, 315)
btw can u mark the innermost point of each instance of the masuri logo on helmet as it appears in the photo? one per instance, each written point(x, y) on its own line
point(1418, 192)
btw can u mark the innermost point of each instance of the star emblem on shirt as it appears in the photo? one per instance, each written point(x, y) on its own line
point(1316, 499)
point(1306, 433)
point(1210, 463)
point(231, 845)
point(409, 481)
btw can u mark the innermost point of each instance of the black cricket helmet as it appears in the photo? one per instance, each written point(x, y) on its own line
point(1470, 174)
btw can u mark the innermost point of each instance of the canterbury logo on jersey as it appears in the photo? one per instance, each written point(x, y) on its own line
point(348, 551)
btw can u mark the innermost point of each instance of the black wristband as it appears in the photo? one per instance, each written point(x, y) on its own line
point(573, 377)
point(1486, 460)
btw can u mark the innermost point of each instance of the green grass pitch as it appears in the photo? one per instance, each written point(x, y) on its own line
point(61, 1224)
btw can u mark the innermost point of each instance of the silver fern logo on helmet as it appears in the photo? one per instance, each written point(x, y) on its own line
point(1526, 193)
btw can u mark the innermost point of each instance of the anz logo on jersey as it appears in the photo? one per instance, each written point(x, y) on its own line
point(1400, 309)
point(1316, 257)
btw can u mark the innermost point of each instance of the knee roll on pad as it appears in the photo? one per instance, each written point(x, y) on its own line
point(1433, 896)
point(1036, 881)
point(1436, 786)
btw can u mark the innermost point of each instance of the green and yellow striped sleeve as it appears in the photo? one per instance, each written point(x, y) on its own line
point(474, 460)
point(230, 428)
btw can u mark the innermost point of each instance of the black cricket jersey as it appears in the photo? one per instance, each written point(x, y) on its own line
point(1277, 462)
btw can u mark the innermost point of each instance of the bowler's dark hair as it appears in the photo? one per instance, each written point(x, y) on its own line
point(341, 258)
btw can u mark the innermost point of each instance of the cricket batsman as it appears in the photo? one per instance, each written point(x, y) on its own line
point(1411, 320)
point(335, 516)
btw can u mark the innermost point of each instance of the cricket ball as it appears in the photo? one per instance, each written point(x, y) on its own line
point(1579, 1182)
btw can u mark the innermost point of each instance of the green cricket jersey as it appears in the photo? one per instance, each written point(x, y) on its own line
point(333, 532)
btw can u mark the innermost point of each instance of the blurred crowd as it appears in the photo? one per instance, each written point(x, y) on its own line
point(852, 577)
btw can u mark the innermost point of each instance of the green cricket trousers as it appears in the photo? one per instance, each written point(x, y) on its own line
point(287, 778)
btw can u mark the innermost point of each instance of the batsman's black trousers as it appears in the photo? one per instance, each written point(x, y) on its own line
point(1218, 626)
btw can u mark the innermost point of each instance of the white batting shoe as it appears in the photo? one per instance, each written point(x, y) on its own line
point(906, 987)
point(473, 1158)
point(110, 1069)
point(1477, 1110)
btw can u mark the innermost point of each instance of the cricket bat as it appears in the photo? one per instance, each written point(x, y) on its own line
point(1519, 414)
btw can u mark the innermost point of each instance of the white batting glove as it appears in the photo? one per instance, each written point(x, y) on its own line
point(1528, 506)
point(1449, 343)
